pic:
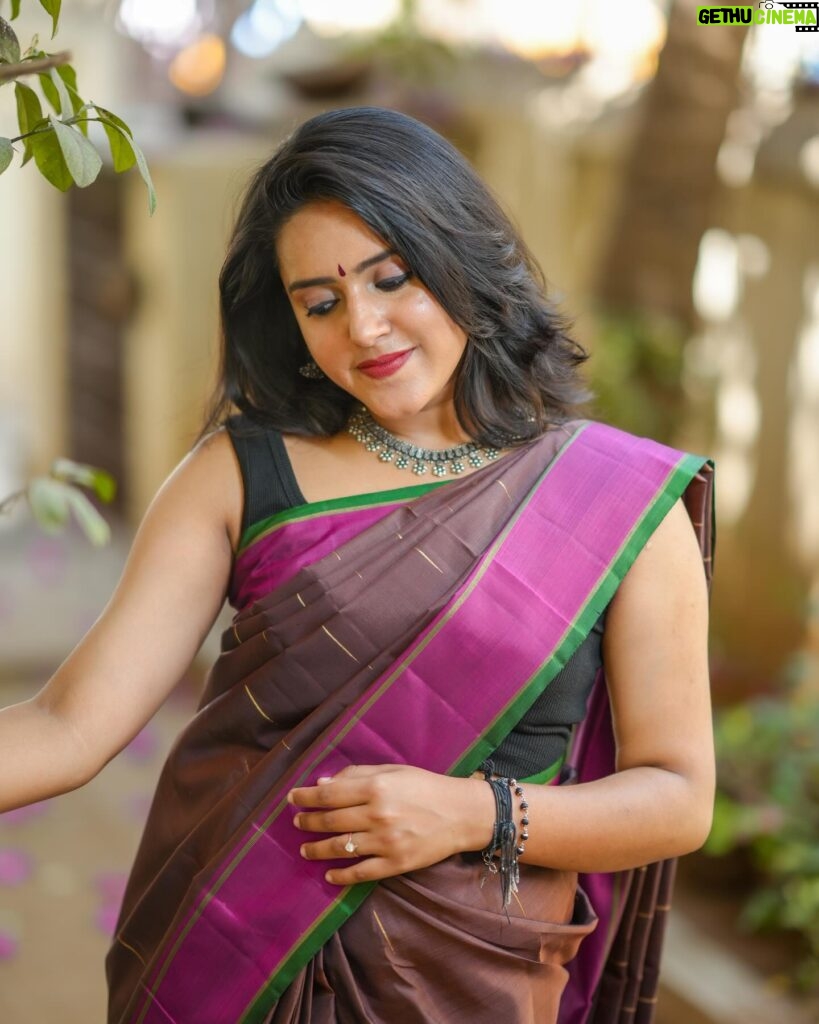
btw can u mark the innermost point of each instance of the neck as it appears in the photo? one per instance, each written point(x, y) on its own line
point(433, 427)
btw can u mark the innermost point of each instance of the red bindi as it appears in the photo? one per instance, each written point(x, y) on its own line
point(341, 271)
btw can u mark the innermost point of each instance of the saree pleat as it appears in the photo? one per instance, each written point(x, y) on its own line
point(433, 946)
point(310, 658)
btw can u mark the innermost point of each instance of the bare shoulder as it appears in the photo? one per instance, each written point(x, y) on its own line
point(655, 651)
point(672, 551)
point(210, 479)
point(664, 593)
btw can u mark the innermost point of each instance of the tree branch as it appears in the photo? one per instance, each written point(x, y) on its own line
point(9, 72)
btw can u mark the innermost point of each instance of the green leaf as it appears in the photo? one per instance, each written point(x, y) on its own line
point(116, 121)
point(50, 160)
point(68, 75)
point(78, 104)
point(83, 161)
point(121, 145)
point(6, 154)
point(49, 503)
point(142, 164)
point(63, 97)
point(66, 107)
point(9, 43)
point(29, 113)
point(50, 91)
point(111, 121)
point(80, 107)
point(52, 7)
point(120, 140)
point(15, 9)
point(93, 525)
point(101, 482)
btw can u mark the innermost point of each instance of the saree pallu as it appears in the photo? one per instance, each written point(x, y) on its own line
point(414, 627)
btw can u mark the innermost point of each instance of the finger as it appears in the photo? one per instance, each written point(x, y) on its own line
point(348, 788)
point(335, 847)
point(348, 819)
point(363, 771)
point(368, 869)
point(337, 793)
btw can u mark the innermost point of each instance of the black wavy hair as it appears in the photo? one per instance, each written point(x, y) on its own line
point(519, 371)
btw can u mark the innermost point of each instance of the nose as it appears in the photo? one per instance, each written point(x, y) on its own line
point(366, 320)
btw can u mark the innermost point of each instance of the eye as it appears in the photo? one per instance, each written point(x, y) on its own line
point(391, 284)
point(321, 308)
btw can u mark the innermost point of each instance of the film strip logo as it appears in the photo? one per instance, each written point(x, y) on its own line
point(802, 7)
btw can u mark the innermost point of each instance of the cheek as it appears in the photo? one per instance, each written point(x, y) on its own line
point(437, 320)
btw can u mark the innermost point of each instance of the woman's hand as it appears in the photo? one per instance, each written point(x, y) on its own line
point(401, 818)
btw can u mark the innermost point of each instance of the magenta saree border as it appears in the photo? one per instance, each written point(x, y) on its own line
point(516, 613)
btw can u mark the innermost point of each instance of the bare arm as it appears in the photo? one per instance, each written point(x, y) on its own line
point(170, 593)
point(658, 803)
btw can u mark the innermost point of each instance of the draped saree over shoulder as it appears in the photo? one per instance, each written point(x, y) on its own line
point(417, 627)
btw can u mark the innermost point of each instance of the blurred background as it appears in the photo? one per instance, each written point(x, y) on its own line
point(665, 174)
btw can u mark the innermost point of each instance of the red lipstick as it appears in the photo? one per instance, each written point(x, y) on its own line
point(385, 366)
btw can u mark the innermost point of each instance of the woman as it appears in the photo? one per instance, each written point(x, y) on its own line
point(401, 649)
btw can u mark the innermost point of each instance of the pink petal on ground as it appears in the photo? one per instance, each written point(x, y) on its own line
point(110, 885)
point(8, 946)
point(144, 745)
point(22, 814)
point(106, 918)
point(15, 866)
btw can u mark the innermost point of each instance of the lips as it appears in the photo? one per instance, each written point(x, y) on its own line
point(384, 360)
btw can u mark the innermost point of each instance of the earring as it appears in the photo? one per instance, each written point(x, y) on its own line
point(311, 370)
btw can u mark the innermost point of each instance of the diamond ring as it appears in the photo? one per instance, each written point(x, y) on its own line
point(350, 846)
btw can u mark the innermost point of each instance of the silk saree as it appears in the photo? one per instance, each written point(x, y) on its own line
point(409, 626)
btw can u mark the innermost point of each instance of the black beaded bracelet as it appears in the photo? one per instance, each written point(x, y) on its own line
point(524, 821)
point(504, 834)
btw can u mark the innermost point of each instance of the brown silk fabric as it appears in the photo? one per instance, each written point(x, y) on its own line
point(433, 946)
point(428, 946)
point(274, 690)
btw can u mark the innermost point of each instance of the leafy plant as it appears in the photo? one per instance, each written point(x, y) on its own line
point(636, 371)
point(768, 804)
point(53, 498)
point(56, 135)
point(57, 140)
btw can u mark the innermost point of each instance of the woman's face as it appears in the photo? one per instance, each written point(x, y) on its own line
point(355, 302)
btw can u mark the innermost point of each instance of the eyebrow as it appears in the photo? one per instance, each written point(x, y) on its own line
point(357, 269)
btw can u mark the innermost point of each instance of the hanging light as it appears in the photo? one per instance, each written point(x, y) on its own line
point(335, 17)
point(163, 26)
point(265, 26)
point(198, 69)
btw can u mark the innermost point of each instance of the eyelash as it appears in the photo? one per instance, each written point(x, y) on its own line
point(389, 284)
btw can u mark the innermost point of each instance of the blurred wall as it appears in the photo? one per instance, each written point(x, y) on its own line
point(172, 343)
point(32, 325)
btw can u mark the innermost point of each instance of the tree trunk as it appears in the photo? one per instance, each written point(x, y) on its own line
point(670, 181)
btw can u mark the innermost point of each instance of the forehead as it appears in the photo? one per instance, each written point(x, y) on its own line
point(321, 235)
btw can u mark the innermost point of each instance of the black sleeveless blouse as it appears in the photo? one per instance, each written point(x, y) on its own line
point(540, 738)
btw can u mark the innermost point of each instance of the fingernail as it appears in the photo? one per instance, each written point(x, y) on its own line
point(325, 778)
point(303, 851)
point(290, 797)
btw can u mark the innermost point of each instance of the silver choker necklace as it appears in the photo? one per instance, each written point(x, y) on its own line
point(403, 455)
